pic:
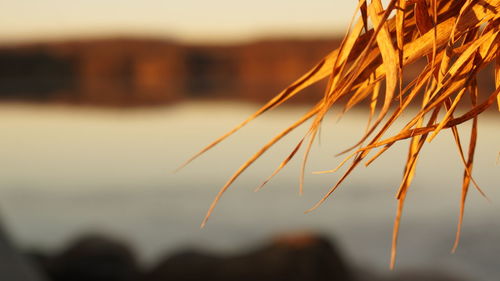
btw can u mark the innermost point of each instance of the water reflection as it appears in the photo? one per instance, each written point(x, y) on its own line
point(67, 171)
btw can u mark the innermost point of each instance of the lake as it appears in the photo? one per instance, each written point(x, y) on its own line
point(67, 171)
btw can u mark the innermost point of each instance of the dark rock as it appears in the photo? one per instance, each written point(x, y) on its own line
point(424, 276)
point(95, 258)
point(13, 265)
point(290, 257)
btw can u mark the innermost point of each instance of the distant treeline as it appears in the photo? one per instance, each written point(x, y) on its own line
point(130, 72)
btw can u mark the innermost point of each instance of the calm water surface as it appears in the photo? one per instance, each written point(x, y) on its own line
point(68, 171)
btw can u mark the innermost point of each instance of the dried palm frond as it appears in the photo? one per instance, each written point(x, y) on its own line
point(457, 38)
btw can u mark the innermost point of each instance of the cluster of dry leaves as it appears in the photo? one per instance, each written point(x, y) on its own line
point(457, 38)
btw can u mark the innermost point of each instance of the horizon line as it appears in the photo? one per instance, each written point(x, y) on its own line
point(222, 40)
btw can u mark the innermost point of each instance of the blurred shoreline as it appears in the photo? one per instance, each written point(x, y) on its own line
point(128, 72)
point(139, 72)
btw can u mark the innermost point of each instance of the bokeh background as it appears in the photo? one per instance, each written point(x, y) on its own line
point(102, 100)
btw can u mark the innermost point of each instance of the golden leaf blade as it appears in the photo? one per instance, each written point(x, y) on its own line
point(459, 38)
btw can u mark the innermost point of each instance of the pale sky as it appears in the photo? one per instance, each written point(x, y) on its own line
point(187, 20)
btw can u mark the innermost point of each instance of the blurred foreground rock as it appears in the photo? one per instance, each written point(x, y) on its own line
point(423, 276)
point(94, 258)
point(13, 266)
point(289, 257)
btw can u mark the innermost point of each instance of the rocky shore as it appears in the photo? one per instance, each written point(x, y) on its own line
point(292, 256)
